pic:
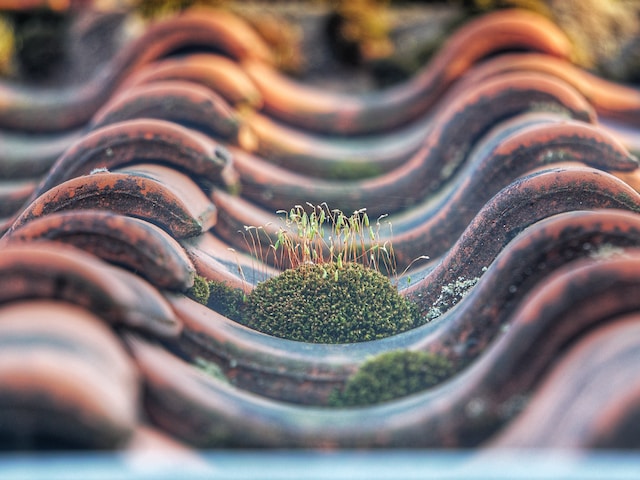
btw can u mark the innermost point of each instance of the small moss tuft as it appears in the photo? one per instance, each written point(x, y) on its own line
point(218, 296)
point(226, 300)
point(200, 291)
point(392, 375)
point(211, 368)
point(328, 303)
point(354, 170)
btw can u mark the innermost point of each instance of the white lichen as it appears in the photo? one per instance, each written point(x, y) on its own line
point(450, 295)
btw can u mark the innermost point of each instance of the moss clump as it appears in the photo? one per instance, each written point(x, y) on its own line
point(392, 375)
point(226, 300)
point(211, 368)
point(218, 296)
point(328, 303)
point(200, 291)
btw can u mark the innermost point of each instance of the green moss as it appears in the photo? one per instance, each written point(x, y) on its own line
point(354, 170)
point(325, 303)
point(200, 291)
point(226, 300)
point(625, 198)
point(218, 296)
point(211, 368)
point(392, 375)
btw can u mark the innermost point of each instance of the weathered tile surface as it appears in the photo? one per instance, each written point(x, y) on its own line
point(515, 171)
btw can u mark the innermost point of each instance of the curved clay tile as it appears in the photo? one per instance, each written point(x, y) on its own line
point(261, 180)
point(160, 195)
point(590, 398)
point(13, 195)
point(328, 112)
point(176, 101)
point(219, 74)
point(561, 237)
point(538, 142)
point(214, 260)
point(459, 413)
point(631, 178)
point(25, 156)
point(628, 135)
point(143, 140)
point(611, 100)
point(447, 138)
point(48, 270)
point(333, 157)
point(423, 230)
point(135, 244)
point(307, 373)
point(66, 381)
point(44, 109)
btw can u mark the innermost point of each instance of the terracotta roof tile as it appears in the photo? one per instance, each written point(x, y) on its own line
point(119, 188)
point(154, 193)
point(135, 244)
point(66, 379)
point(54, 271)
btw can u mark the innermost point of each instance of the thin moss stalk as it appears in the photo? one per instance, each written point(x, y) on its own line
point(335, 286)
point(318, 234)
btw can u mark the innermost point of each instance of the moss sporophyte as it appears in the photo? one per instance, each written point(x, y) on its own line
point(335, 283)
point(332, 288)
point(322, 235)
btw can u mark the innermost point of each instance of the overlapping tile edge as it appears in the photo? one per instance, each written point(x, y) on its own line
point(498, 169)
